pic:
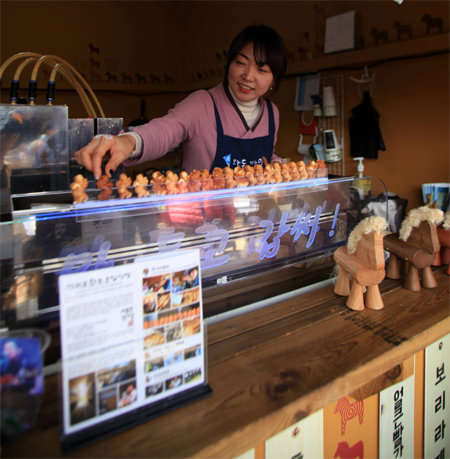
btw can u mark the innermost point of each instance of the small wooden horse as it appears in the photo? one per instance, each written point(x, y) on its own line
point(443, 257)
point(416, 245)
point(363, 259)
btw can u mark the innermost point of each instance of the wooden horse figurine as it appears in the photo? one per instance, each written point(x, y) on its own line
point(363, 259)
point(443, 256)
point(416, 246)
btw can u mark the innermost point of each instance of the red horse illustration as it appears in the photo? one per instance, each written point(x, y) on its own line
point(345, 451)
point(348, 411)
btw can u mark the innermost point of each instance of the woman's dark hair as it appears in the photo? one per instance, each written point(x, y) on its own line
point(268, 48)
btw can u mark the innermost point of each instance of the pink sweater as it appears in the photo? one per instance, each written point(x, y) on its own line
point(192, 122)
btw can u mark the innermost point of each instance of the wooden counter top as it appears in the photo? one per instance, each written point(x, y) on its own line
point(269, 369)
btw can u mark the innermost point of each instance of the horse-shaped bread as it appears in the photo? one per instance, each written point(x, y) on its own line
point(416, 246)
point(363, 260)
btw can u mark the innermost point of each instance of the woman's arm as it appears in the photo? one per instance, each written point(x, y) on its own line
point(163, 134)
point(158, 137)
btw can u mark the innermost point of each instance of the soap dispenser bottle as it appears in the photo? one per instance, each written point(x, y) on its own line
point(361, 184)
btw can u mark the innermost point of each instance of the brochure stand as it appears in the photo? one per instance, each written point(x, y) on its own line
point(132, 419)
point(133, 344)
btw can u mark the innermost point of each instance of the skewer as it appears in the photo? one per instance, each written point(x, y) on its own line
point(220, 178)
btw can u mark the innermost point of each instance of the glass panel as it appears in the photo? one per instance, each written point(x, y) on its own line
point(240, 232)
point(34, 147)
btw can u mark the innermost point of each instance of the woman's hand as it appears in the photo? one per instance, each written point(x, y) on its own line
point(120, 148)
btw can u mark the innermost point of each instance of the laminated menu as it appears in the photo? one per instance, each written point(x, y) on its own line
point(131, 336)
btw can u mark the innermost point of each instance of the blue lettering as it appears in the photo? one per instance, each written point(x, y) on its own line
point(79, 258)
point(333, 225)
point(102, 256)
point(171, 241)
point(208, 258)
point(300, 226)
point(268, 249)
point(314, 224)
point(76, 263)
point(284, 227)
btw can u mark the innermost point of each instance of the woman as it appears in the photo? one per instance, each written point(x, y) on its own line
point(229, 125)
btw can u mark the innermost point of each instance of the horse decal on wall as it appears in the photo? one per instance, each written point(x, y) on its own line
point(349, 410)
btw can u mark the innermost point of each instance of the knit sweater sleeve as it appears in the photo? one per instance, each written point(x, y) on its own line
point(160, 135)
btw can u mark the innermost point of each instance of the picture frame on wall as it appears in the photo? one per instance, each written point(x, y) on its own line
point(340, 33)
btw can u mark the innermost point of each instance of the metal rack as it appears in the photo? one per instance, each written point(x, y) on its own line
point(334, 122)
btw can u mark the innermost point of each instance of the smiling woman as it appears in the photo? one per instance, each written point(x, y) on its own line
point(261, 46)
point(248, 79)
point(230, 125)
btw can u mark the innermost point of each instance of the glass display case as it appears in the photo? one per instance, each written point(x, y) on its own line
point(239, 232)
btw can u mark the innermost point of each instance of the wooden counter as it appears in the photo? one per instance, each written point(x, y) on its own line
point(269, 369)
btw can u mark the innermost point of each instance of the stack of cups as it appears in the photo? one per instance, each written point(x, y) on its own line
point(329, 102)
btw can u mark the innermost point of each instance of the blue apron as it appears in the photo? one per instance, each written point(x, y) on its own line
point(234, 152)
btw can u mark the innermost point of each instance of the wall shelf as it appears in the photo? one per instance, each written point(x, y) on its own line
point(361, 57)
point(406, 48)
point(366, 56)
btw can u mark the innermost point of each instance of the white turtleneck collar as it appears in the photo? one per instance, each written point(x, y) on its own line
point(250, 110)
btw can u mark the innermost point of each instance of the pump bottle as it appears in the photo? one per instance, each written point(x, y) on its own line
point(361, 184)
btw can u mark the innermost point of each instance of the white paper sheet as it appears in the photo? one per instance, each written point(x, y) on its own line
point(131, 335)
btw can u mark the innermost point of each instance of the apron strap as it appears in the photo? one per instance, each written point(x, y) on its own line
point(271, 116)
point(218, 120)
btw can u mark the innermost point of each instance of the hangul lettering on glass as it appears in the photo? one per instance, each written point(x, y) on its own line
point(283, 227)
point(301, 224)
point(314, 224)
point(210, 253)
point(268, 249)
point(169, 240)
point(307, 224)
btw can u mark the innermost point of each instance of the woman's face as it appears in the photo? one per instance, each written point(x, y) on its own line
point(246, 78)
